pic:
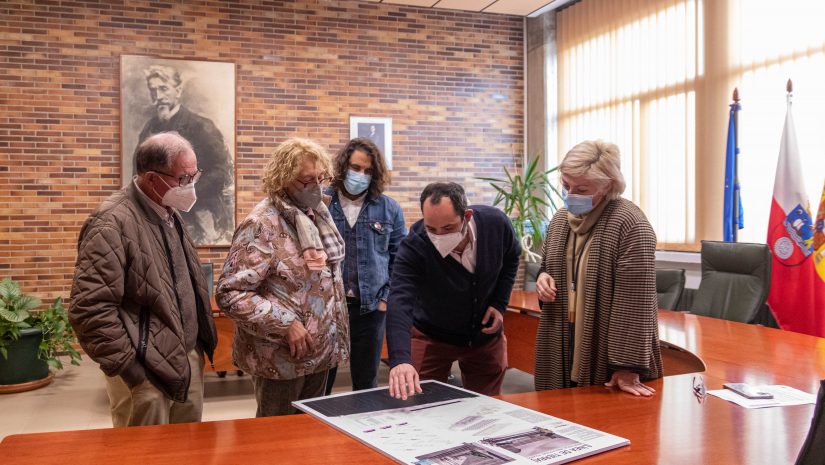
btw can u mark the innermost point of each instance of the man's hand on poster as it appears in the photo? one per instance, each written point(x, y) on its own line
point(404, 381)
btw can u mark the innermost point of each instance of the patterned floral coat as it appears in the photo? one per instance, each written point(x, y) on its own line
point(265, 285)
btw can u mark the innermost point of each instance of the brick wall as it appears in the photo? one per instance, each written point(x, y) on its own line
point(451, 81)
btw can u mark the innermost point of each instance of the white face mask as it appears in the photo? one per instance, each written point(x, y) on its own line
point(445, 243)
point(181, 198)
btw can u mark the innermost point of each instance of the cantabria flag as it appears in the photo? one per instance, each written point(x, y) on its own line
point(797, 296)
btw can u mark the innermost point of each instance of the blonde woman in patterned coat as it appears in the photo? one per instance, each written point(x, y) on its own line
point(282, 285)
point(599, 325)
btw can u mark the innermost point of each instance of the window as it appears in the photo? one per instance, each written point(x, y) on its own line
point(638, 73)
point(779, 40)
point(627, 74)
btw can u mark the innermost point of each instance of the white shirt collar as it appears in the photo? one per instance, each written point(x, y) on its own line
point(467, 258)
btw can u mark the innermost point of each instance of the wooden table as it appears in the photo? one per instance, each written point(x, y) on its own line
point(673, 427)
point(521, 325)
point(731, 351)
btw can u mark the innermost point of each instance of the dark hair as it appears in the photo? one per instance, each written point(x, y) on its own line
point(435, 191)
point(159, 151)
point(380, 175)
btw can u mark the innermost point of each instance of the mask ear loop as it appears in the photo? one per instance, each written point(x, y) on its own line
point(156, 191)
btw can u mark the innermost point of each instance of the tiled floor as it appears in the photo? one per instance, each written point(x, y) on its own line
point(76, 399)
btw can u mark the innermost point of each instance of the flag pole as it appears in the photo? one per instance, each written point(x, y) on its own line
point(736, 165)
point(789, 89)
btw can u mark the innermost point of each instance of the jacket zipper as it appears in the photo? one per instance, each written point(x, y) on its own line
point(143, 333)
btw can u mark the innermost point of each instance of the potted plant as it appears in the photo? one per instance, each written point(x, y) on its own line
point(525, 200)
point(31, 340)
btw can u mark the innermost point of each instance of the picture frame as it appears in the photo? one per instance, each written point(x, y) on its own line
point(379, 130)
point(196, 99)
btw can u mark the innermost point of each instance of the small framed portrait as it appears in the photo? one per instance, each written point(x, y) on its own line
point(379, 130)
point(196, 99)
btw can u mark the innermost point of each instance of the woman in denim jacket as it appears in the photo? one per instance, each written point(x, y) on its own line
point(372, 226)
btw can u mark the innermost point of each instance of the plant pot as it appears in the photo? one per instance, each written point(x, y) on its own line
point(23, 369)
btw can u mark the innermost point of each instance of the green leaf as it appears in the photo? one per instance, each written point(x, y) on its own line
point(27, 302)
point(525, 197)
point(13, 316)
point(9, 290)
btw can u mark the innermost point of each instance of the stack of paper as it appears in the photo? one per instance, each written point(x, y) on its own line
point(782, 396)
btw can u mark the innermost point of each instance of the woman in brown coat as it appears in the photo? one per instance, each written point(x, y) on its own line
point(600, 325)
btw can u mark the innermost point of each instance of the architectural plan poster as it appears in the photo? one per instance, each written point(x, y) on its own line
point(449, 425)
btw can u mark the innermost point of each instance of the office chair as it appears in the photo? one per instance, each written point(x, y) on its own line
point(813, 449)
point(736, 278)
point(531, 274)
point(669, 286)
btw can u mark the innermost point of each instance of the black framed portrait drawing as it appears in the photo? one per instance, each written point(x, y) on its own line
point(197, 100)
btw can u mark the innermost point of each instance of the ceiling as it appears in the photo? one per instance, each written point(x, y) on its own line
point(507, 7)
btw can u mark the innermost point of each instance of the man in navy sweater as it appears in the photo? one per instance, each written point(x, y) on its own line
point(451, 282)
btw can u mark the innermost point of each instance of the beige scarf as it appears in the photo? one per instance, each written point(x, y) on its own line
point(315, 227)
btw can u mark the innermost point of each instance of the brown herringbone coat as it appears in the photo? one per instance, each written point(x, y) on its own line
point(620, 328)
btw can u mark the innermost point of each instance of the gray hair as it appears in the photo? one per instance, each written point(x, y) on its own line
point(597, 161)
point(158, 152)
point(164, 73)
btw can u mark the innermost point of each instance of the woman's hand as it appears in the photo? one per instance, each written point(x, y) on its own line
point(315, 259)
point(546, 287)
point(629, 382)
point(299, 340)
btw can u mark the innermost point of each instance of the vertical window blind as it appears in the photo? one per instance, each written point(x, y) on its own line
point(778, 41)
point(631, 72)
point(627, 74)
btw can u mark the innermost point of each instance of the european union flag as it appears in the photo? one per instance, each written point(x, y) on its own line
point(732, 219)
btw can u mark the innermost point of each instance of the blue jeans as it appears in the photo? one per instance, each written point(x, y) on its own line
point(366, 332)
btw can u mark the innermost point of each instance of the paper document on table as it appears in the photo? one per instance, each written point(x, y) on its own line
point(446, 425)
point(783, 396)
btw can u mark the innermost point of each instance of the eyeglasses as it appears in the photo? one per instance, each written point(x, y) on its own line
point(185, 179)
point(699, 389)
point(323, 181)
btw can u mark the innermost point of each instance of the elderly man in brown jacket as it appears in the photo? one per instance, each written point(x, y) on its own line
point(140, 307)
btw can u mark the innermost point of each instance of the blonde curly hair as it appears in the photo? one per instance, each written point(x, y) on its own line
point(598, 161)
point(286, 161)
